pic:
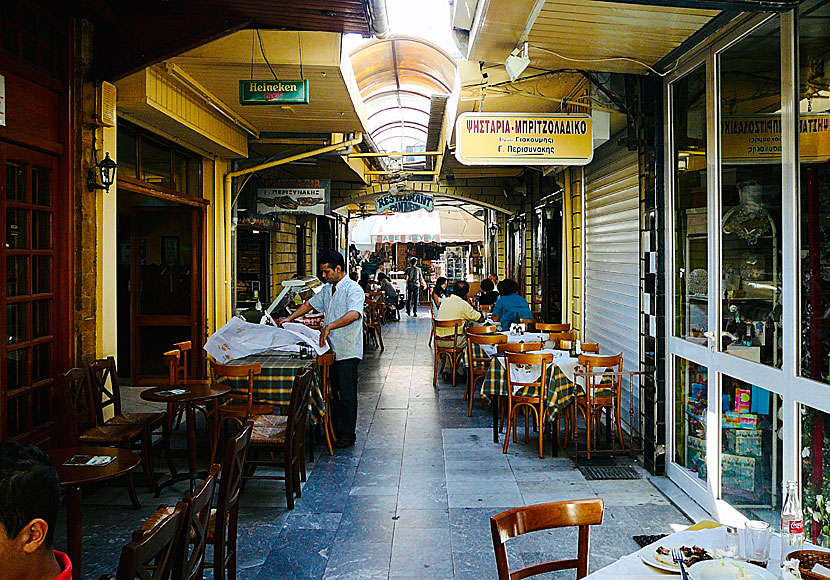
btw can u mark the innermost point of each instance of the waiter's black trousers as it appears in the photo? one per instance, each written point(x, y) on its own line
point(344, 398)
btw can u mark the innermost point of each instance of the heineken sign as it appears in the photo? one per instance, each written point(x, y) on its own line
point(273, 92)
point(404, 203)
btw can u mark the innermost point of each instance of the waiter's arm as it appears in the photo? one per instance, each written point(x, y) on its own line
point(304, 308)
point(344, 320)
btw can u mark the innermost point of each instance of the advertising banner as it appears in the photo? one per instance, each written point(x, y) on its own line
point(523, 139)
point(273, 92)
point(404, 203)
point(276, 196)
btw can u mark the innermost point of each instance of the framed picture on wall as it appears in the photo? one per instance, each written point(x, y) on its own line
point(170, 250)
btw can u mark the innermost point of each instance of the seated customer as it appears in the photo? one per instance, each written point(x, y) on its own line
point(510, 307)
point(488, 295)
point(439, 292)
point(455, 307)
point(29, 497)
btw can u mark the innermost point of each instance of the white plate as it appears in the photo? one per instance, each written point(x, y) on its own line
point(650, 557)
point(751, 571)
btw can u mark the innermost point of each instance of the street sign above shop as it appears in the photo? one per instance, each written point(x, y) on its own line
point(757, 139)
point(404, 203)
point(523, 139)
point(276, 196)
point(273, 92)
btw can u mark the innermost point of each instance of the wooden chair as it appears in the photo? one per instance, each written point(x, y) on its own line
point(432, 318)
point(239, 405)
point(324, 362)
point(485, 308)
point(488, 329)
point(477, 366)
point(288, 438)
point(374, 320)
point(529, 323)
point(592, 347)
point(537, 403)
point(550, 327)
point(106, 392)
point(151, 553)
point(581, 513)
point(519, 346)
point(81, 428)
point(600, 395)
point(222, 526)
point(556, 337)
point(452, 348)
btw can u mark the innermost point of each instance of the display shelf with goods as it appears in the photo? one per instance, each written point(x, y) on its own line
point(693, 399)
point(457, 263)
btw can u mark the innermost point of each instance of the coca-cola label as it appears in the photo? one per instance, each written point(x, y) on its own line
point(796, 527)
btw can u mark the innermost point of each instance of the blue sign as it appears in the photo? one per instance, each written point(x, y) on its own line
point(404, 203)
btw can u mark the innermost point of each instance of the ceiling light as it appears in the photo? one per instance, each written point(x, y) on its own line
point(517, 62)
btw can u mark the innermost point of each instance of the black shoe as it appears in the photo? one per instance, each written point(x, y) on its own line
point(342, 444)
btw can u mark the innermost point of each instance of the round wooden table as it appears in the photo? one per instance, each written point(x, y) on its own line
point(193, 393)
point(73, 477)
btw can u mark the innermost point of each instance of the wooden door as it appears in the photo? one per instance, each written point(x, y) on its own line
point(165, 282)
point(28, 264)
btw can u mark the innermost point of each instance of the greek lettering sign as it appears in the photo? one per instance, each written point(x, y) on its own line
point(276, 196)
point(404, 203)
point(523, 139)
point(273, 92)
point(757, 139)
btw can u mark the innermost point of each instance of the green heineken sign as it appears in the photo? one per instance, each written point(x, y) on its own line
point(273, 92)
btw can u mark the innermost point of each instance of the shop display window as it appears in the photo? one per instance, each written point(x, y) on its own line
point(751, 449)
point(691, 403)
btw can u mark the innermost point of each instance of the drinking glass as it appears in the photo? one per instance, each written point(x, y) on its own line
point(757, 536)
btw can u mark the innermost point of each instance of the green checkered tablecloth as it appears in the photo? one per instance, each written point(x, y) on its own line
point(273, 385)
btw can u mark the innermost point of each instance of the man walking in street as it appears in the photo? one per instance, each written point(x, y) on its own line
point(414, 283)
point(341, 301)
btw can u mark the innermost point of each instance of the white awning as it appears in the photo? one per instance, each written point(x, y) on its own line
point(460, 226)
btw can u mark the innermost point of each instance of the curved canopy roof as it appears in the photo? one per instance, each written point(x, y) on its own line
point(396, 77)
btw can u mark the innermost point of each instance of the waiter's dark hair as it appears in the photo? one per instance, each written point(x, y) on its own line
point(29, 489)
point(333, 258)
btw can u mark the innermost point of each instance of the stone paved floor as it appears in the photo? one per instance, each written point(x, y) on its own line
point(411, 500)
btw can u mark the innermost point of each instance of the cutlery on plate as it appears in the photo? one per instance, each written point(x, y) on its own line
point(677, 557)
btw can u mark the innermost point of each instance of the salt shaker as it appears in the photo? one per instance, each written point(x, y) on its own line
point(732, 545)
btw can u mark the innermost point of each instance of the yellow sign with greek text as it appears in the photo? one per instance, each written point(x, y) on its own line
point(757, 139)
point(523, 139)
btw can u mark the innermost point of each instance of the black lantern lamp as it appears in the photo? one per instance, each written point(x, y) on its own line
point(106, 170)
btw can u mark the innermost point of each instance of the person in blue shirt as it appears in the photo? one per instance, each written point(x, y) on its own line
point(510, 307)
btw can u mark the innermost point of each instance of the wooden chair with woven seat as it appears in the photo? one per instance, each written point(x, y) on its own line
point(81, 428)
point(106, 392)
point(151, 553)
point(487, 329)
point(551, 327)
point(239, 405)
point(287, 438)
point(447, 348)
point(580, 513)
point(557, 337)
point(224, 518)
point(513, 347)
point(478, 365)
point(374, 319)
point(536, 403)
point(600, 393)
point(324, 362)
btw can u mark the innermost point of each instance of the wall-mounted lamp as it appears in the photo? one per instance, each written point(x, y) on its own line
point(105, 170)
point(517, 62)
point(495, 229)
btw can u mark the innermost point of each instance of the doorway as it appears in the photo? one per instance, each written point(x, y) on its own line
point(253, 259)
point(549, 260)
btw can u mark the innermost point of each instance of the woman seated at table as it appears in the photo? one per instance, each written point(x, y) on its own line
point(439, 292)
point(510, 307)
point(389, 292)
point(488, 295)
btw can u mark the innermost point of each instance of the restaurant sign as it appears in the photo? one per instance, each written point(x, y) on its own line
point(276, 196)
point(404, 203)
point(757, 139)
point(523, 139)
point(273, 92)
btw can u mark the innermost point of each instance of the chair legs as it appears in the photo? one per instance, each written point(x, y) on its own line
point(512, 420)
point(131, 490)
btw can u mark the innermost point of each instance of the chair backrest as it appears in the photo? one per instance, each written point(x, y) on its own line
point(555, 337)
point(171, 359)
point(518, 346)
point(529, 323)
point(592, 347)
point(298, 409)
point(580, 513)
point(183, 348)
point(456, 324)
point(481, 362)
point(551, 327)
point(150, 554)
point(524, 359)
point(78, 409)
point(324, 362)
point(189, 560)
point(218, 370)
point(599, 363)
point(230, 484)
point(103, 383)
point(485, 308)
point(489, 329)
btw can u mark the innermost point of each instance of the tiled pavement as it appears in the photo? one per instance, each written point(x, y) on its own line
point(411, 500)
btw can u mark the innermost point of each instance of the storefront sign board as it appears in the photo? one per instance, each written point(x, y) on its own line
point(273, 92)
point(757, 139)
point(276, 196)
point(523, 139)
point(404, 203)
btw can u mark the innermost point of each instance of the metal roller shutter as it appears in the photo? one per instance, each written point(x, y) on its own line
point(612, 254)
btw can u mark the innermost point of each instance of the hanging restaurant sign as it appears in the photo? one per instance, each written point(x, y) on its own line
point(404, 203)
point(523, 139)
point(276, 196)
point(273, 92)
point(757, 139)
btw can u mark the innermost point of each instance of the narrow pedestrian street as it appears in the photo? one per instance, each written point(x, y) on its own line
point(412, 498)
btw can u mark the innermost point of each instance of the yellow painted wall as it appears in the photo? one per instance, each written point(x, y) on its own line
point(573, 238)
point(219, 306)
point(502, 242)
point(283, 252)
point(106, 254)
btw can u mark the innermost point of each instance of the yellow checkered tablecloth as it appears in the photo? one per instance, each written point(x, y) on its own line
point(273, 385)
